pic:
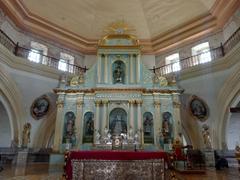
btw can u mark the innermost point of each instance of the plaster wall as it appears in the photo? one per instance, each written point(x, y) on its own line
point(233, 135)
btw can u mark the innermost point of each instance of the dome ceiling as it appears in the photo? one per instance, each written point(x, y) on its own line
point(88, 18)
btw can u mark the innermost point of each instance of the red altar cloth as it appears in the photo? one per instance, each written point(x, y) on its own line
point(110, 155)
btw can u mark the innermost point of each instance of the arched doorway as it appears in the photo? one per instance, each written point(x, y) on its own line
point(118, 121)
point(5, 128)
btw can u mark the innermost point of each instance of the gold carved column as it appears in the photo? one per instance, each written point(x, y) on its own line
point(79, 121)
point(58, 126)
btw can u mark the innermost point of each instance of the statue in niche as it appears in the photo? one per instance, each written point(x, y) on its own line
point(118, 125)
point(206, 136)
point(166, 127)
point(97, 137)
point(89, 126)
point(26, 135)
point(69, 128)
point(147, 123)
point(118, 73)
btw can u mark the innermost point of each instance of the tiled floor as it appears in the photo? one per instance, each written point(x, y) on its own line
point(40, 172)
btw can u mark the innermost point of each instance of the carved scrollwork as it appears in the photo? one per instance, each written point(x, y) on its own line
point(60, 104)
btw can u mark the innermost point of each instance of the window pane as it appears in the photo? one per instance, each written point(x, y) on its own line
point(172, 63)
point(62, 65)
point(34, 56)
point(201, 53)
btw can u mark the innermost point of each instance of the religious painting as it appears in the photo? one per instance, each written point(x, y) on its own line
point(69, 128)
point(40, 107)
point(148, 127)
point(118, 72)
point(118, 121)
point(198, 108)
point(167, 127)
point(88, 127)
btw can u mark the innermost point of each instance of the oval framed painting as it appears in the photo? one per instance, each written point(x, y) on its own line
point(40, 107)
point(198, 109)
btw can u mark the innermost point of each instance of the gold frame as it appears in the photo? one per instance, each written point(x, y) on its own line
point(34, 103)
point(202, 114)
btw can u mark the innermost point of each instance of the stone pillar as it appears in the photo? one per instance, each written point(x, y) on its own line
point(157, 121)
point(97, 118)
point(176, 115)
point(58, 126)
point(131, 114)
point(105, 69)
point(79, 121)
point(105, 115)
point(139, 119)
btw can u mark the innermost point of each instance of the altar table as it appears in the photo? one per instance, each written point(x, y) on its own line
point(117, 165)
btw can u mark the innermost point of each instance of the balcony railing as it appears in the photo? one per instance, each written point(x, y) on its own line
point(185, 63)
point(198, 59)
point(45, 60)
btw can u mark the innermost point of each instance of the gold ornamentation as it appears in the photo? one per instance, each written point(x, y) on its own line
point(132, 101)
point(79, 103)
point(119, 27)
point(176, 104)
point(163, 81)
point(105, 101)
point(157, 104)
point(60, 103)
point(98, 102)
point(74, 81)
point(139, 102)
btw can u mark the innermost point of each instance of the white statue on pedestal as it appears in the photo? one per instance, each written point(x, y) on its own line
point(97, 137)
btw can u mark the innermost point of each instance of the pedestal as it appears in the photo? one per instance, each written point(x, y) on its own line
point(209, 158)
point(56, 163)
point(21, 162)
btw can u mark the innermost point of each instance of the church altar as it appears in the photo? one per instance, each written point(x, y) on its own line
point(117, 165)
point(117, 97)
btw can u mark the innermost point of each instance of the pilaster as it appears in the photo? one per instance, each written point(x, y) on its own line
point(58, 126)
point(79, 121)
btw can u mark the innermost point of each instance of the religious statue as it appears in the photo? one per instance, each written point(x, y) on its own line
point(137, 138)
point(89, 126)
point(26, 135)
point(166, 127)
point(97, 137)
point(206, 136)
point(69, 128)
point(237, 154)
point(148, 122)
point(74, 81)
point(118, 74)
point(118, 125)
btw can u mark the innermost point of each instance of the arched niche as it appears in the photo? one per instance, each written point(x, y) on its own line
point(69, 128)
point(88, 129)
point(118, 72)
point(148, 128)
point(118, 121)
